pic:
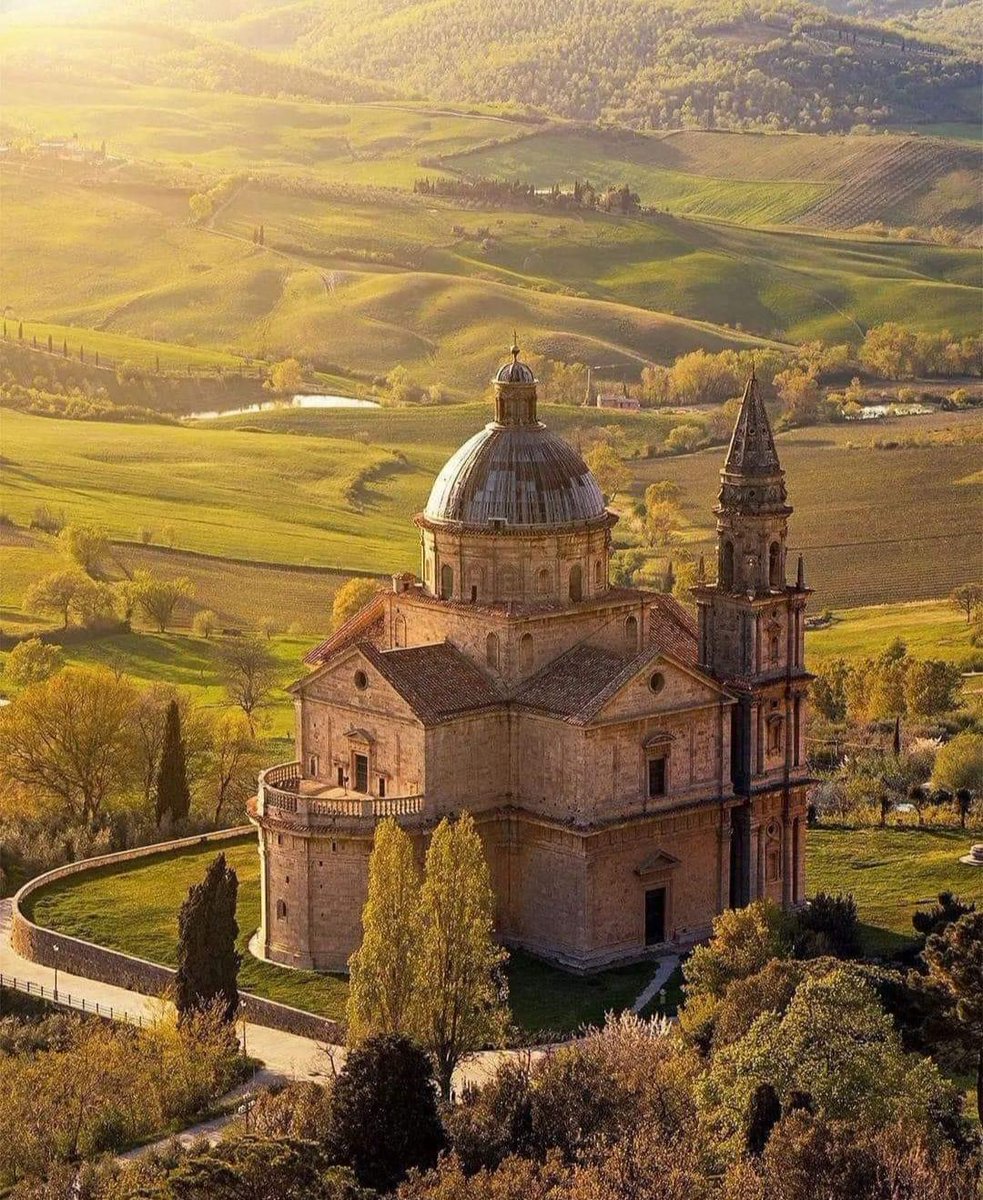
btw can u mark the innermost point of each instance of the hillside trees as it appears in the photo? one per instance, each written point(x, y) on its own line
point(172, 795)
point(85, 545)
point(352, 596)
point(207, 959)
point(250, 672)
point(69, 738)
point(62, 593)
point(234, 762)
point(959, 764)
point(967, 598)
point(158, 597)
point(607, 468)
point(31, 661)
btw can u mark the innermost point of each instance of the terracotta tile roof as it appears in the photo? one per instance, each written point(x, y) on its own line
point(366, 624)
point(672, 630)
point(437, 681)
point(574, 684)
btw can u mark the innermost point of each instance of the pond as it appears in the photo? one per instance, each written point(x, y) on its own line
point(295, 402)
point(871, 412)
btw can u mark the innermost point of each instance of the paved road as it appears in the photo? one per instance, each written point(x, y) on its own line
point(284, 1055)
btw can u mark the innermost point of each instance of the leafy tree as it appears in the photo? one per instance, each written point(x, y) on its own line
point(31, 661)
point(938, 918)
point(172, 795)
point(835, 1043)
point(56, 593)
point(69, 738)
point(663, 518)
point(954, 959)
point(828, 691)
point(254, 1167)
point(799, 393)
point(702, 378)
point(286, 377)
point(384, 1119)
point(967, 599)
point(607, 468)
point(381, 982)
point(250, 672)
point(830, 922)
point(85, 545)
point(459, 997)
point(959, 763)
point(744, 941)
point(234, 761)
point(267, 626)
point(351, 597)
point(207, 959)
point(930, 686)
point(205, 623)
point(158, 597)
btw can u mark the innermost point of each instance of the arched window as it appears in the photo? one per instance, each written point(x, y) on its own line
point(598, 575)
point(576, 582)
point(631, 634)
point(476, 582)
point(775, 732)
point(775, 565)
point(399, 630)
point(446, 582)
point(506, 581)
point(491, 651)
point(775, 645)
point(525, 652)
point(727, 566)
point(281, 909)
point(543, 582)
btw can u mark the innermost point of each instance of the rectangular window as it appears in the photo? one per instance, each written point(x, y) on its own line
point(312, 766)
point(341, 776)
point(382, 786)
point(657, 776)
point(361, 773)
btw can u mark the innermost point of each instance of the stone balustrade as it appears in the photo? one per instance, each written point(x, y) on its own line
point(281, 791)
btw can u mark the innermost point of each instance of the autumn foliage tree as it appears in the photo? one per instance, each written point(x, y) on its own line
point(381, 970)
point(351, 597)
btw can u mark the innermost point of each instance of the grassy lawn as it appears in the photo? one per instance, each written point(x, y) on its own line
point(892, 873)
point(930, 629)
point(134, 908)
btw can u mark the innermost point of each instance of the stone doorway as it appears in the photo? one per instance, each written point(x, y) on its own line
point(655, 916)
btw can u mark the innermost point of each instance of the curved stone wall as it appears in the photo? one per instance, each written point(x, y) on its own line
point(78, 957)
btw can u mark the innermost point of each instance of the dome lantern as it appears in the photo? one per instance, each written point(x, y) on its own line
point(515, 391)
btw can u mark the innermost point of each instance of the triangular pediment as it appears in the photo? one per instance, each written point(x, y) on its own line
point(657, 682)
point(656, 863)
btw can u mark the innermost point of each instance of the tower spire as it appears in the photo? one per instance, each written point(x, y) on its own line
point(752, 450)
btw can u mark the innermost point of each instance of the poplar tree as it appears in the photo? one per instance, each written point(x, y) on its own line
point(207, 959)
point(171, 793)
point(381, 969)
point(459, 996)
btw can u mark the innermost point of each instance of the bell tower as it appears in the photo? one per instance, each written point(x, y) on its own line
point(752, 638)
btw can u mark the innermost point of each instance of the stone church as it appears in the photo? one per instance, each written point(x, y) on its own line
point(632, 771)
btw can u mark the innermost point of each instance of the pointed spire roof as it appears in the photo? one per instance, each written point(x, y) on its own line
point(752, 452)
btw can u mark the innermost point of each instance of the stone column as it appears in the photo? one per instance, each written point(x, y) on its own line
point(759, 863)
point(789, 865)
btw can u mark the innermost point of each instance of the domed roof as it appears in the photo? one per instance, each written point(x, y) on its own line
point(518, 474)
point(514, 372)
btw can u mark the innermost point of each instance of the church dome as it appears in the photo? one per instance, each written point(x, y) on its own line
point(516, 474)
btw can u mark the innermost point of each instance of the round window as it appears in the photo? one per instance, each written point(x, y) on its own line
point(361, 680)
point(657, 682)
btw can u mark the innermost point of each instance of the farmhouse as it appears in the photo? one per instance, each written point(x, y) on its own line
point(632, 771)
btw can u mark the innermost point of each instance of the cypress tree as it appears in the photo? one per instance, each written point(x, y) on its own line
point(172, 794)
point(207, 959)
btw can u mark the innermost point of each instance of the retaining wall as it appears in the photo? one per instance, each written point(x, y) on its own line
point(77, 957)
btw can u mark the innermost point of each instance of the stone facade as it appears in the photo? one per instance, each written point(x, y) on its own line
point(632, 772)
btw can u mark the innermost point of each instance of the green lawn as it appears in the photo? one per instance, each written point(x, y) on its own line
point(891, 873)
point(930, 629)
point(134, 908)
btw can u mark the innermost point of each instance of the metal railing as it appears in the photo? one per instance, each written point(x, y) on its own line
point(67, 1000)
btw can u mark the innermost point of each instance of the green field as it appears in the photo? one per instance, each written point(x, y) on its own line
point(277, 487)
point(135, 909)
point(891, 873)
point(930, 629)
